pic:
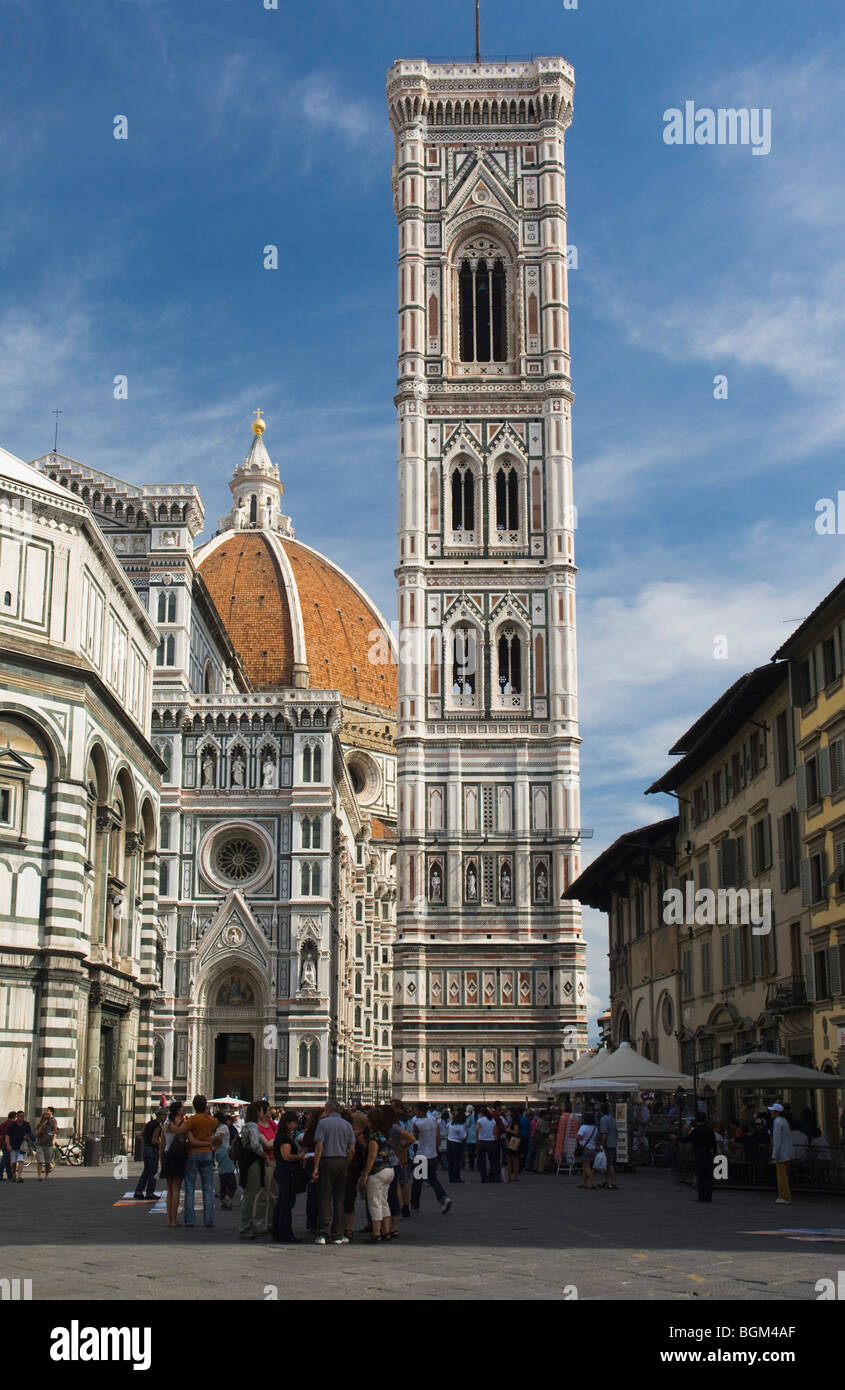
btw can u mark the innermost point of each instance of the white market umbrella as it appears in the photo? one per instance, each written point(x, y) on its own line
point(770, 1072)
point(228, 1100)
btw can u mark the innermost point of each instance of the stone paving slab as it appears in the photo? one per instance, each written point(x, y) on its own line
point(526, 1241)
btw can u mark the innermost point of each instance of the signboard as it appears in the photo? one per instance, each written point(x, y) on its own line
point(622, 1133)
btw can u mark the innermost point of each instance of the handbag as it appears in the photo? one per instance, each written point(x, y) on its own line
point(579, 1148)
point(514, 1143)
point(600, 1162)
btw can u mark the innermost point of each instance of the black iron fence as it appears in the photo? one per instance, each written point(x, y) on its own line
point(106, 1124)
point(358, 1097)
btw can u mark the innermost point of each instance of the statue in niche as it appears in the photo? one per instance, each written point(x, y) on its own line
point(436, 882)
point(542, 884)
point(238, 770)
point(207, 770)
point(505, 884)
point(268, 771)
point(308, 971)
point(472, 884)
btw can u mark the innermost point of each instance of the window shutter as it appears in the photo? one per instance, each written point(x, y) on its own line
point(834, 973)
point(817, 669)
point(810, 976)
point(730, 863)
point(756, 956)
point(834, 764)
point(723, 785)
point(801, 782)
point(740, 874)
point(823, 765)
point(780, 772)
point(767, 842)
point(782, 852)
point(756, 849)
point(739, 970)
point(806, 883)
point(839, 863)
point(727, 978)
point(790, 742)
point(773, 937)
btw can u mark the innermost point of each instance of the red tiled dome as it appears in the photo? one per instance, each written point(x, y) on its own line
point(253, 596)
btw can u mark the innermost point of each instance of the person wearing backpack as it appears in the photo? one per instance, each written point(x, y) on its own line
point(250, 1152)
point(145, 1189)
point(173, 1147)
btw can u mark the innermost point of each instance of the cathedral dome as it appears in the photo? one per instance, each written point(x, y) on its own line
point(295, 618)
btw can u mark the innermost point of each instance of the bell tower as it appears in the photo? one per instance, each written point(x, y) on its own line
point(489, 963)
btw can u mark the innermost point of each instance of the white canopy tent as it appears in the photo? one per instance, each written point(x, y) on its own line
point(622, 1070)
point(769, 1072)
point(588, 1085)
point(582, 1068)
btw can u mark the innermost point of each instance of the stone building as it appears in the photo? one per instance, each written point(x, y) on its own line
point(489, 961)
point(740, 985)
point(628, 882)
point(816, 656)
point(271, 954)
point(79, 795)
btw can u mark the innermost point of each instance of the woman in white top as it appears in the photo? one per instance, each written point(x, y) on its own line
point(588, 1138)
point(456, 1137)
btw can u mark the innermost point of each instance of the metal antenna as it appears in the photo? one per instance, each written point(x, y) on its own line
point(57, 413)
point(478, 31)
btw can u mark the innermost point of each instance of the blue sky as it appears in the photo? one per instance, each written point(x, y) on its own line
point(247, 127)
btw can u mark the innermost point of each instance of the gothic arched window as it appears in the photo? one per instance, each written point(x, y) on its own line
point(510, 662)
point(316, 832)
point(318, 764)
point(309, 1058)
point(464, 660)
point(306, 764)
point(482, 304)
point(166, 607)
point(507, 499)
point(463, 498)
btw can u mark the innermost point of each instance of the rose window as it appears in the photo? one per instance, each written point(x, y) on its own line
point(238, 860)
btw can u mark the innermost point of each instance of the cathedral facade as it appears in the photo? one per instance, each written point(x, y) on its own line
point(490, 991)
point(217, 741)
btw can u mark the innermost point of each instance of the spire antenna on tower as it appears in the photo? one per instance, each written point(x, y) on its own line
point(57, 413)
point(478, 31)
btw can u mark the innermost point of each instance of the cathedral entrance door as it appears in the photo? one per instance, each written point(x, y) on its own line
point(234, 1065)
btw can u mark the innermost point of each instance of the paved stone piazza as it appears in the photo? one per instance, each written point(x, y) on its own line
point(530, 1240)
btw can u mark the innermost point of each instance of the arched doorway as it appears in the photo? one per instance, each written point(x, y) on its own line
point(234, 1065)
point(230, 1059)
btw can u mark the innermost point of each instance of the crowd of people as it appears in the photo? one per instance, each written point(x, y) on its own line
point(384, 1156)
point(17, 1142)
